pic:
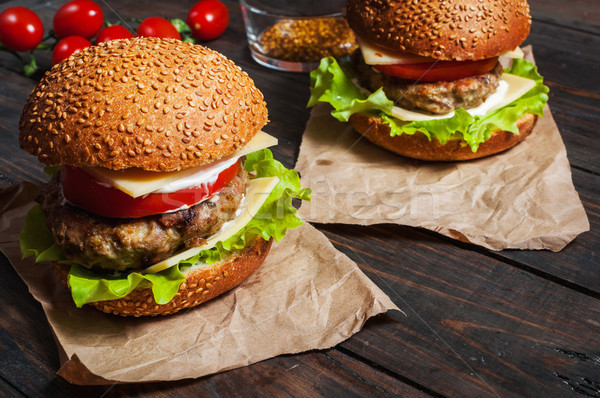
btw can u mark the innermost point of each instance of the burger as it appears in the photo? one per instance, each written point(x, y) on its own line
point(427, 81)
point(163, 193)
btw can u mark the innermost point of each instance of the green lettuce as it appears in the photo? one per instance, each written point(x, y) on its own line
point(330, 84)
point(274, 218)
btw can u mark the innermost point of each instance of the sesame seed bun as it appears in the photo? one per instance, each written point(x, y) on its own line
point(446, 30)
point(155, 104)
point(418, 146)
point(200, 284)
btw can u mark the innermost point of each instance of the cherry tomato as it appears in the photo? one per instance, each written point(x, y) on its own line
point(208, 19)
point(78, 18)
point(82, 190)
point(67, 46)
point(20, 29)
point(439, 70)
point(158, 27)
point(113, 32)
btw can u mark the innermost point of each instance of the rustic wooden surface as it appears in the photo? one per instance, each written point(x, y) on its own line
point(477, 324)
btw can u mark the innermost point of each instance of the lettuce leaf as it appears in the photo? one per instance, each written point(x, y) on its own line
point(272, 221)
point(330, 84)
point(35, 238)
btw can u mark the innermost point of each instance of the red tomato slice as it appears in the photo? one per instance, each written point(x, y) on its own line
point(83, 190)
point(439, 70)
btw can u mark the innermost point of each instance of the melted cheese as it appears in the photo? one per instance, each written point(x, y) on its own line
point(258, 191)
point(137, 182)
point(511, 87)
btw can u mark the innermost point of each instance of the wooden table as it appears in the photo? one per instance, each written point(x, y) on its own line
point(478, 323)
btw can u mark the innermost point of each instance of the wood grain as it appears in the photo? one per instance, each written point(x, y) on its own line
point(578, 14)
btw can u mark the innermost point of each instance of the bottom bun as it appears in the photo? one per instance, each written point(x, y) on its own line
point(418, 146)
point(200, 285)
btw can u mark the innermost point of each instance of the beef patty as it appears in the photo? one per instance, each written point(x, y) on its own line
point(120, 244)
point(434, 97)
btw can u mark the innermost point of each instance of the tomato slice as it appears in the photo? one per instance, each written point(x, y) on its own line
point(439, 70)
point(83, 190)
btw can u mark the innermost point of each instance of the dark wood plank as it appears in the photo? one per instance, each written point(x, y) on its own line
point(475, 326)
point(329, 373)
point(577, 14)
point(29, 359)
point(15, 164)
point(8, 390)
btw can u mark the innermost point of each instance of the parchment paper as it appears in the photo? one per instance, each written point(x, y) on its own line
point(523, 198)
point(307, 295)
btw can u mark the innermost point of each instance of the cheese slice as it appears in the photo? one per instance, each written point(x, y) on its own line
point(510, 89)
point(258, 191)
point(137, 182)
point(374, 55)
point(506, 59)
point(378, 56)
point(516, 53)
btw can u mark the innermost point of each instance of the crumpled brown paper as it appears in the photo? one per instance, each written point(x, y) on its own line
point(523, 198)
point(307, 295)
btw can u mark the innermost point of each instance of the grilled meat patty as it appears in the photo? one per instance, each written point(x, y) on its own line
point(120, 244)
point(434, 97)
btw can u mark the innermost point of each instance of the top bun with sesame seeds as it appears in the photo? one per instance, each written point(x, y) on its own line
point(149, 103)
point(457, 30)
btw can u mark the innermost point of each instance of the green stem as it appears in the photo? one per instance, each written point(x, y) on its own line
point(44, 46)
point(31, 67)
